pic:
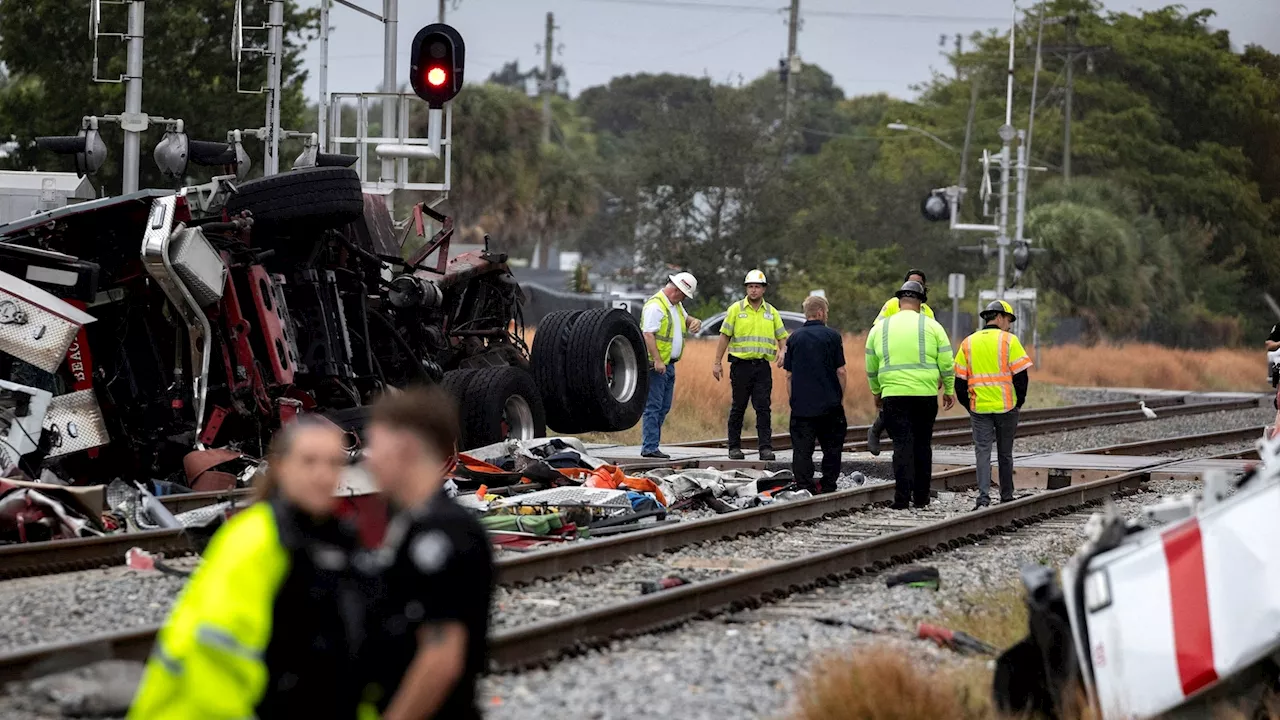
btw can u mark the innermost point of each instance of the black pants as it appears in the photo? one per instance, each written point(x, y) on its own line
point(829, 431)
point(751, 380)
point(909, 421)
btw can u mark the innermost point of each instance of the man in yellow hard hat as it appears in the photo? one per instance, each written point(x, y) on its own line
point(664, 324)
point(991, 380)
point(753, 334)
point(907, 356)
point(890, 308)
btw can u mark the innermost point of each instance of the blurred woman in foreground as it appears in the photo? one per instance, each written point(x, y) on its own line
point(268, 623)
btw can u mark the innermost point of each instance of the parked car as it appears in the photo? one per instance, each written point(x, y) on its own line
point(711, 326)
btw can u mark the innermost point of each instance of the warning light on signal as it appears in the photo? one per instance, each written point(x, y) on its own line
point(435, 64)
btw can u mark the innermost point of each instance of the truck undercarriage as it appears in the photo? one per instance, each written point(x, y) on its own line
point(220, 312)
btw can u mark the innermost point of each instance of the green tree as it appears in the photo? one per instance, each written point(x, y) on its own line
point(856, 281)
point(188, 73)
point(1165, 108)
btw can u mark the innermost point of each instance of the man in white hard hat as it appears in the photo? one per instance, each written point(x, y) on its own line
point(753, 334)
point(664, 324)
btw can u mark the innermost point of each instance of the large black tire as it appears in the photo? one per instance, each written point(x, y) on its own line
point(317, 198)
point(548, 362)
point(485, 416)
point(456, 383)
point(610, 378)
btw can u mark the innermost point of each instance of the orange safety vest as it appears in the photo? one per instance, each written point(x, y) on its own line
point(987, 361)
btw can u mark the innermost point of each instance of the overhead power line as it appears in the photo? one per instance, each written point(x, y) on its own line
point(736, 7)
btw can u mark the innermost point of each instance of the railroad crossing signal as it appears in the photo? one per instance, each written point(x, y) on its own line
point(435, 64)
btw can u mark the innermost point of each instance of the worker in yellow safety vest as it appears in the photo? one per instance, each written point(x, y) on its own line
point(268, 625)
point(991, 379)
point(890, 308)
point(664, 324)
point(908, 355)
point(754, 335)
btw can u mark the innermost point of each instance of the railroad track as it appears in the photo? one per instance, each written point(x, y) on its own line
point(782, 441)
point(57, 556)
point(542, 641)
point(44, 558)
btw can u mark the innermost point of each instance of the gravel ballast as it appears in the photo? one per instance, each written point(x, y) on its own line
point(745, 665)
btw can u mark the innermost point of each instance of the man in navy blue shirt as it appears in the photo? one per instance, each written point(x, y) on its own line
point(814, 362)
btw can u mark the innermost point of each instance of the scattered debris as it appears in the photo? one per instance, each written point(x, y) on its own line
point(651, 586)
point(916, 576)
point(139, 559)
point(956, 640)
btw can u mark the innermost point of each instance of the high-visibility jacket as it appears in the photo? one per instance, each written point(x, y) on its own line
point(753, 334)
point(891, 308)
point(219, 655)
point(663, 337)
point(907, 354)
point(987, 361)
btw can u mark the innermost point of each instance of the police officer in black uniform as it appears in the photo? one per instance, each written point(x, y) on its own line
point(433, 576)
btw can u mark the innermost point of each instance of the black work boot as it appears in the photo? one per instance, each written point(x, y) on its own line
point(766, 454)
point(736, 454)
point(873, 435)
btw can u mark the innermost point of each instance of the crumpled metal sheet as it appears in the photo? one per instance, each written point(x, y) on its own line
point(570, 496)
point(35, 326)
point(74, 422)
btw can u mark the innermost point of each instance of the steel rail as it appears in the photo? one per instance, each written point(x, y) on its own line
point(1043, 427)
point(782, 441)
point(41, 660)
point(56, 556)
point(539, 642)
point(182, 502)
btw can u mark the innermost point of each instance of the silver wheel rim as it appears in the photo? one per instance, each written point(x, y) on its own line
point(518, 418)
point(621, 369)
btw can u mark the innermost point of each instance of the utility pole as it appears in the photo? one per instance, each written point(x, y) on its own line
point(959, 52)
point(133, 121)
point(440, 15)
point(793, 27)
point(275, 58)
point(390, 25)
point(968, 129)
point(1070, 53)
point(322, 125)
point(548, 85)
point(1007, 134)
point(1066, 113)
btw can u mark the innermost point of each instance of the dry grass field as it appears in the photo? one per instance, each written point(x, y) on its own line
point(701, 404)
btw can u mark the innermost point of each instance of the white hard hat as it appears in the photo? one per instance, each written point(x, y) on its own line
point(685, 283)
point(755, 277)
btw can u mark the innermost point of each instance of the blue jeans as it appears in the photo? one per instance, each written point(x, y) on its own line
point(656, 407)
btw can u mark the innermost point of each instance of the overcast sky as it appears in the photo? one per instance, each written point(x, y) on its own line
point(868, 45)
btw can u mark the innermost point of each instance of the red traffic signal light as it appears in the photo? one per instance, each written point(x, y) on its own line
point(435, 64)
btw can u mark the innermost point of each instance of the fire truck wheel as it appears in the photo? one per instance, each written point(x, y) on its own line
point(549, 360)
point(309, 199)
point(610, 379)
point(502, 403)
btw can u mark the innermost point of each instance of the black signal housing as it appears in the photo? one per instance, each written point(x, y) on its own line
point(436, 63)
